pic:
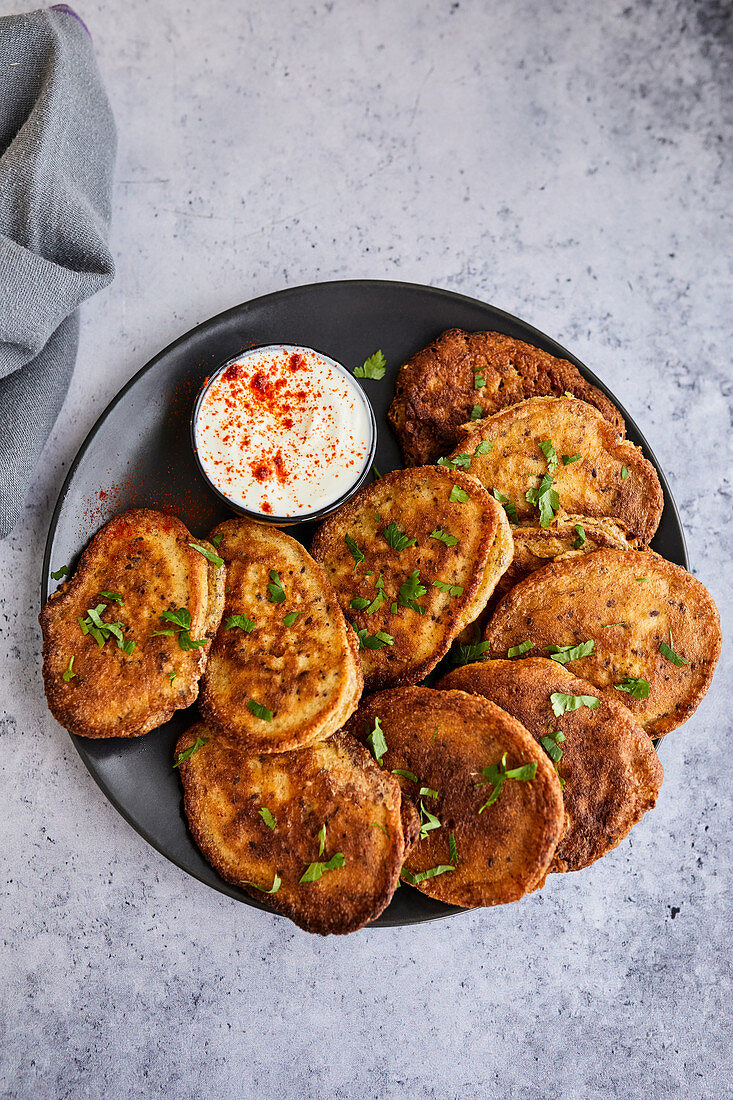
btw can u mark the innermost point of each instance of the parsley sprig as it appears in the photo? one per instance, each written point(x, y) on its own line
point(377, 742)
point(411, 590)
point(562, 703)
point(564, 653)
point(208, 554)
point(636, 688)
point(373, 367)
point(181, 620)
point(442, 536)
point(467, 653)
point(497, 774)
point(373, 641)
point(545, 498)
point(101, 631)
point(184, 756)
point(275, 590)
point(397, 539)
point(509, 506)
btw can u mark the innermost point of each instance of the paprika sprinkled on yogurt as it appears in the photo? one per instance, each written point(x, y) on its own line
point(283, 432)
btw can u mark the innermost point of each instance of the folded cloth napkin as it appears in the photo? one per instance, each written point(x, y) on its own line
point(57, 149)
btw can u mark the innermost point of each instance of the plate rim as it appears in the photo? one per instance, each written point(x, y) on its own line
point(559, 351)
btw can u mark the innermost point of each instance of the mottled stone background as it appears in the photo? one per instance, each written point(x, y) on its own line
point(564, 161)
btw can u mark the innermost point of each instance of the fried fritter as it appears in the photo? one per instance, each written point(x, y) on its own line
point(499, 561)
point(442, 742)
point(284, 668)
point(655, 629)
point(409, 566)
point(139, 566)
point(610, 478)
point(260, 818)
point(437, 389)
point(610, 770)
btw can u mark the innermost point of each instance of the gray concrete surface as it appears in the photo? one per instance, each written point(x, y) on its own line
point(565, 162)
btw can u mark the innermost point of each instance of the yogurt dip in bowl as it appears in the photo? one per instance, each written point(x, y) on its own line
point(283, 434)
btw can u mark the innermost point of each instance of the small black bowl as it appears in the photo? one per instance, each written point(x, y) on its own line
point(306, 517)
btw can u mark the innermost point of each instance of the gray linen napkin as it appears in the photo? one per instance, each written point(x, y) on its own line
point(57, 150)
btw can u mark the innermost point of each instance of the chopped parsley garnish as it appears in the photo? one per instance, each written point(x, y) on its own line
point(373, 641)
point(172, 675)
point(496, 774)
point(564, 653)
point(605, 626)
point(624, 473)
point(291, 616)
point(642, 580)
point(268, 817)
point(476, 412)
point(518, 650)
point(428, 821)
point(406, 774)
point(101, 631)
point(113, 596)
point(550, 745)
point(354, 550)
point(273, 889)
point(450, 589)
point(484, 447)
point(359, 603)
point(395, 608)
point(183, 756)
point(545, 498)
point(468, 653)
point(182, 623)
point(637, 689)
point(562, 703)
point(509, 506)
point(377, 742)
point(669, 653)
point(550, 454)
point(427, 792)
point(580, 532)
point(208, 554)
point(322, 838)
point(62, 572)
point(216, 539)
point(69, 674)
point(259, 710)
point(449, 540)
point(452, 849)
point(276, 593)
point(376, 825)
point(397, 539)
point(376, 474)
point(478, 380)
point(458, 495)
point(378, 599)
point(463, 461)
point(411, 590)
point(314, 871)
point(374, 367)
point(567, 459)
point(240, 621)
point(420, 876)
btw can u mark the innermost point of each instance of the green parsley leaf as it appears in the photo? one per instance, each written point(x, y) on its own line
point(374, 367)
point(321, 839)
point(240, 621)
point(452, 849)
point(642, 580)
point(624, 473)
point(546, 499)
point(550, 454)
point(478, 380)
point(128, 647)
point(580, 532)
point(180, 618)
point(208, 554)
point(428, 821)
point(427, 792)
point(291, 616)
point(314, 871)
point(518, 650)
point(373, 641)
point(101, 631)
point(476, 412)
point(69, 674)
point(354, 550)
point(62, 572)
point(411, 590)
point(605, 626)
point(496, 774)
point(183, 756)
point(259, 710)
point(562, 703)
point(379, 598)
point(463, 461)
point(359, 603)
point(551, 747)
point(564, 653)
point(509, 506)
point(458, 495)
point(268, 817)
point(376, 825)
point(273, 889)
point(395, 608)
point(113, 596)
point(187, 643)
point(637, 689)
point(468, 653)
point(376, 474)
point(406, 774)
point(216, 539)
point(450, 589)
point(172, 675)
point(669, 653)
point(420, 876)
point(397, 539)
point(567, 459)
point(377, 742)
point(275, 590)
point(484, 447)
point(449, 540)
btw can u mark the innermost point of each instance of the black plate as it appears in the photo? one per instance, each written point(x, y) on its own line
point(138, 454)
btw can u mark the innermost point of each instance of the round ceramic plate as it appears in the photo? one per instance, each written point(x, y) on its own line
point(138, 455)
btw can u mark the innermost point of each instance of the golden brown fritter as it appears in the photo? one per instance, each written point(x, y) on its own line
point(333, 783)
point(631, 605)
point(284, 668)
point(497, 565)
point(610, 770)
point(138, 566)
point(419, 623)
point(438, 387)
point(611, 479)
point(445, 739)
